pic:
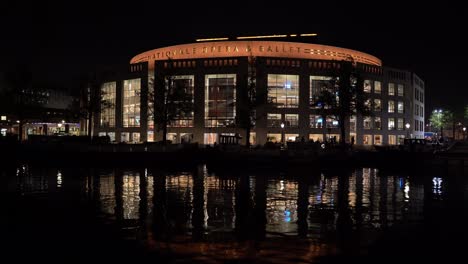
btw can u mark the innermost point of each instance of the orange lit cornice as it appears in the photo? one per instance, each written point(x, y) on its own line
point(211, 39)
point(278, 49)
point(260, 37)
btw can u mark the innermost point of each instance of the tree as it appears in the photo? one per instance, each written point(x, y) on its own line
point(248, 97)
point(22, 98)
point(343, 96)
point(171, 98)
point(441, 118)
point(93, 103)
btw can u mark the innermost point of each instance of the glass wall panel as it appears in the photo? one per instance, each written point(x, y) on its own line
point(401, 108)
point(367, 86)
point(275, 138)
point(332, 122)
point(400, 124)
point(274, 120)
point(316, 137)
point(377, 123)
point(316, 121)
point(108, 94)
point(131, 103)
point(401, 90)
point(317, 85)
point(184, 82)
point(283, 90)
point(352, 123)
point(391, 89)
point(377, 87)
point(210, 138)
point(220, 100)
point(291, 120)
point(367, 122)
point(377, 105)
point(391, 106)
point(391, 123)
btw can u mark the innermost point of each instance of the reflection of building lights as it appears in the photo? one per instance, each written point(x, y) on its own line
point(407, 190)
point(282, 185)
point(287, 216)
point(437, 182)
point(59, 179)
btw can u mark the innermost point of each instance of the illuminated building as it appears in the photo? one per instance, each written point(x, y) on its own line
point(288, 73)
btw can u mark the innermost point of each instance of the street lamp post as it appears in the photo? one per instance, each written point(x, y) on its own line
point(282, 134)
point(464, 133)
point(407, 129)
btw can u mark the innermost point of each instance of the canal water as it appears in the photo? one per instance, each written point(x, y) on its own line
point(195, 215)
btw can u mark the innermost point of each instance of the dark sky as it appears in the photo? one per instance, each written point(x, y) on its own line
point(61, 41)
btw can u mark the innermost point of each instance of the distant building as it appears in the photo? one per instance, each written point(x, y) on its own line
point(289, 73)
point(55, 112)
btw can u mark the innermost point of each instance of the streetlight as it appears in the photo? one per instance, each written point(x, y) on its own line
point(464, 133)
point(407, 129)
point(282, 134)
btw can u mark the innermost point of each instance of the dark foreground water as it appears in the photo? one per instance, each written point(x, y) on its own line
point(77, 215)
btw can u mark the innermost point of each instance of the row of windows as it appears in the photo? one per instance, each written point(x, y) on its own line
point(220, 98)
point(211, 138)
point(283, 63)
point(418, 125)
point(316, 121)
point(216, 63)
point(418, 95)
point(397, 75)
point(419, 110)
point(378, 88)
point(180, 64)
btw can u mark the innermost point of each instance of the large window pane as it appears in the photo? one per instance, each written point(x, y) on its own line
point(274, 120)
point(377, 87)
point(108, 104)
point(401, 108)
point(367, 86)
point(391, 106)
point(220, 100)
point(316, 121)
point(391, 89)
point(131, 103)
point(317, 85)
point(184, 82)
point(292, 120)
point(401, 90)
point(283, 90)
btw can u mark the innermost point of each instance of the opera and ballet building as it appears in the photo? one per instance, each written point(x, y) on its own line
point(290, 75)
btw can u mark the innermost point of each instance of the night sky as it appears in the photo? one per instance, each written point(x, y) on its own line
point(64, 41)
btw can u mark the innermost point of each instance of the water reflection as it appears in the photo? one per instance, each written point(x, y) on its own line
point(244, 215)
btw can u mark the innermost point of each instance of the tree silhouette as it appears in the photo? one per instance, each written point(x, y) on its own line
point(93, 102)
point(343, 96)
point(21, 98)
point(249, 101)
point(172, 99)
